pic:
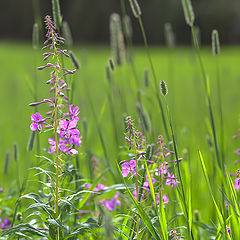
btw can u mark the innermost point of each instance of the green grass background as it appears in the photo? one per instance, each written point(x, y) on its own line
point(178, 68)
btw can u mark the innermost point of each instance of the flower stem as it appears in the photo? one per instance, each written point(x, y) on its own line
point(55, 135)
point(135, 153)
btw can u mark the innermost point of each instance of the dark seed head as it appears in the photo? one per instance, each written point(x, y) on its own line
point(215, 43)
point(6, 162)
point(163, 88)
point(15, 148)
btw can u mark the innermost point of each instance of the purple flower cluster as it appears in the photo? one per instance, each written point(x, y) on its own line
point(64, 123)
point(158, 164)
point(69, 135)
point(129, 168)
point(110, 204)
point(5, 224)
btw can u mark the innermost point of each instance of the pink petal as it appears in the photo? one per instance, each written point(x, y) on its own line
point(63, 123)
point(34, 126)
point(51, 141)
point(74, 151)
point(75, 111)
point(132, 164)
point(125, 173)
point(72, 123)
point(71, 108)
point(165, 199)
point(125, 166)
point(118, 203)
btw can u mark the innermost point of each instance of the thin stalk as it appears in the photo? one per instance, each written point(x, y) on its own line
point(220, 111)
point(208, 97)
point(36, 110)
point(179, 171)
point(56, 137)
point(154, 76)
point(112, 110)
point(136, 160)
point(196, 45)
point(18, 177)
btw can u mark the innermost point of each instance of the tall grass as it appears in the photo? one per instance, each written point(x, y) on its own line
point(125, 183)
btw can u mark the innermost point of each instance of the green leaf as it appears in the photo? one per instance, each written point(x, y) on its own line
point(141, 211)
point(161, 213)
point(56, 223)
point(220, 217)
point(25, 228)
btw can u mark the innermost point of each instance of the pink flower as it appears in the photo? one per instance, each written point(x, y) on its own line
point(111, 204)
point(171, 180)
point(164, 197)
point(128, 168)
point(74, 112)
point(237, 183)
point(38, 122)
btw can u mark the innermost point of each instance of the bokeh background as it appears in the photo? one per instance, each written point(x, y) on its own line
point(89, 19)
point(89, 23)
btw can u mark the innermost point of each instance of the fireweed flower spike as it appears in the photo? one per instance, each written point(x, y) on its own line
point(63, 123)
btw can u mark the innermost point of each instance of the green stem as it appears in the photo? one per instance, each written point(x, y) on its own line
point(55, 135)
point(212, 122)
point(136, 160)
point(179, 172)
point(154, 76)
point(220, 111)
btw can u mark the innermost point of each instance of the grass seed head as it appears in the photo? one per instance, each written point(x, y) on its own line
point(6, 162)
point(67, 34)
point(146, 77)
point(143, 118)
point(215, 43)
point(135, 8)
point(15, 151)
point(74, 59)
point(57, 13)
point(163, 88)
point(111, 64)
point(169, 35)
point(117, 39)
point(188, 12)
point(35, 36)
point(149, 152)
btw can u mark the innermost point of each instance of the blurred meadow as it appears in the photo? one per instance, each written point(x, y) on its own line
point(180, 70)
point(106, 96)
